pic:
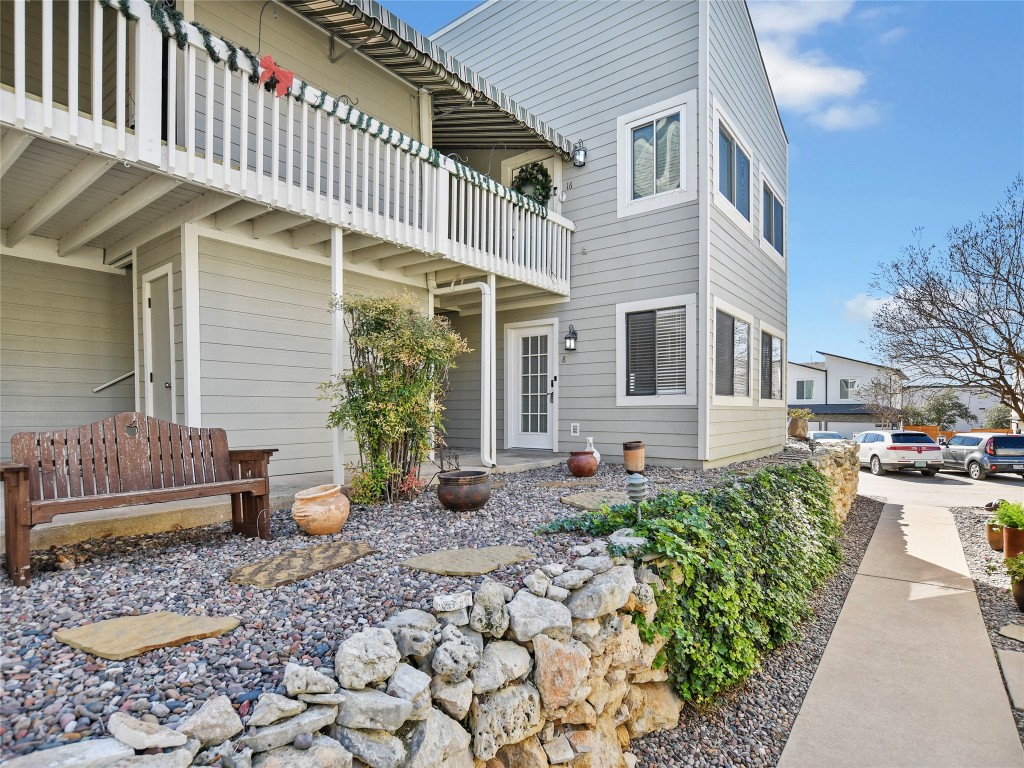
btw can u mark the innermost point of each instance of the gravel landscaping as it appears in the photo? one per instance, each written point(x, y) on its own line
point(54, 694)
point(991, 584)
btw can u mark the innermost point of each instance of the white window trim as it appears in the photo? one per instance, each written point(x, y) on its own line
point(721, 202)
point(739, 314)
point(766, 246)
point(687, 300)
point(768, 402)
point(686, 106)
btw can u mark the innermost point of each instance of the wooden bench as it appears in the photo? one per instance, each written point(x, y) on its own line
point(125, 460)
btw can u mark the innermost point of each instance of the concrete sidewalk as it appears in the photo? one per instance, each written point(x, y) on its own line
point(909, 677)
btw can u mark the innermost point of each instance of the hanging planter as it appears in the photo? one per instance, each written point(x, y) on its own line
point(533, 181)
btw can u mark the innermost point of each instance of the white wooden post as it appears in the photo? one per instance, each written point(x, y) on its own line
point(338, 343)
point(150, 49)
point(441, 210)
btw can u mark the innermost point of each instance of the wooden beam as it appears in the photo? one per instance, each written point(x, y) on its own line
point(275, 222)
point(406, 259)
point(355, 242)
point(70, 187)
point(501, 295)
point(133, 201)
point(12, 145)
point(199, 208)
point(311, 234)
point(238, 213)
point(548, 299)
point(376, 252)
point(446, 275)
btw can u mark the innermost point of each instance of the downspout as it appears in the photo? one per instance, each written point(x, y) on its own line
point(488, 387)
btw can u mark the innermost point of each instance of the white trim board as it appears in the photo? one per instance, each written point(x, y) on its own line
point(687, 300)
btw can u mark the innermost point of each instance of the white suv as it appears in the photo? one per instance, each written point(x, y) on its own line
point(886, 450)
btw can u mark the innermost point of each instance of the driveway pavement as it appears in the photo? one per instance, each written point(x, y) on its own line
point(909, 677)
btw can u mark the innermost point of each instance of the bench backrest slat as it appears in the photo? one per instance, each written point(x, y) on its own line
point(120, 454)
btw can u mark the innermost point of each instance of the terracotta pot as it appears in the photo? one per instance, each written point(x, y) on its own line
point(1017, 588)
point(1013, 542)
point(464, 491)
point(633, 456)
point(322, 510)
point(798, 428)
point(994, 534)
point(582, 463)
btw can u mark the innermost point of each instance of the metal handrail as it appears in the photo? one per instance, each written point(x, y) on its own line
point(112, 382)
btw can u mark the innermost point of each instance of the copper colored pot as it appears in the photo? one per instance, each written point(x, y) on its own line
point(464, 491)
point(634, 456)
point(1017, 588)
point(994, 534)
point(582, 463)
point(1013, 542)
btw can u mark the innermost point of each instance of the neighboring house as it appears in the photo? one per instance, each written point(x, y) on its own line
point(834, 391)
point(171, 241)
point(679, 261)
point(977, 401)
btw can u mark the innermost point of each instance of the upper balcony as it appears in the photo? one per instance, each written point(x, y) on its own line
point(188, 107)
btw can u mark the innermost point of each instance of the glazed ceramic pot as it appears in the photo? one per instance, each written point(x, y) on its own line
point(464, 491)
point(633, 456)
point(994, 534)
point(1013, 542)
point(1017, 588)
point(322, 510)
point(582, 463)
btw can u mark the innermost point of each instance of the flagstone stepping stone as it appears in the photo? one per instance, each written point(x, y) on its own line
point(1012, 663)
point(592, 501)
point(297, 564)
point(1013, 631)
point(128, 636)
point(570, 483)
point(472, 561)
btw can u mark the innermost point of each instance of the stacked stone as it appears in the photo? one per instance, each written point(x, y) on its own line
point(552, 674)
point(840, 464)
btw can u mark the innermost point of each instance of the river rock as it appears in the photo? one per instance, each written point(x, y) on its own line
point(284, 732)
point(605, 593)
point(438, 742)
point(214, 722)
point(562, 669)
point(366, 657)
point(375, 748)
point(325, 752)
point(504, 717)
point(453, 698)
point(299, 679)
point(413, 686)
point(501, 663)
point(490, 614)
point(138, 734)
point(530, 615)
point(373, 710)
point(272, 707)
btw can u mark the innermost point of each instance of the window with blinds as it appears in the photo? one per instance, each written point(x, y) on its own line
point(771, 367)
point(732, 355)
point(656, 352)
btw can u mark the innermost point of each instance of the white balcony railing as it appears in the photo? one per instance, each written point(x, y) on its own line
point(135, 95)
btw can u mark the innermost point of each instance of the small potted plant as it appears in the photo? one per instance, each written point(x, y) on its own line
point(1010, 515)
point(1015, 567)
point(994, 534)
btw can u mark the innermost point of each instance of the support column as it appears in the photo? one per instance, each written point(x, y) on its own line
point(190, 325)
point(490, 307)
point(338, 350)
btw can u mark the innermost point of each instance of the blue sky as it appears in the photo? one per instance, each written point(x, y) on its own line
point(899, 115)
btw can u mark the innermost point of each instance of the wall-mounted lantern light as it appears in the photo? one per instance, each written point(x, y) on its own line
point(579, 154)
point(570, 340)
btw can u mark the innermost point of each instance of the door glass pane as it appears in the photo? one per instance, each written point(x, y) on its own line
point(526, 345)
point(525, 423)
point(643, 161)
point(533, 423)
point(543, 423)
point(668, 154)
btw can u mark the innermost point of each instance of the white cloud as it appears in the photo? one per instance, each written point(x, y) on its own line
point(861, 308)
point(892, 35)
point(845, 117)
point(805, 79)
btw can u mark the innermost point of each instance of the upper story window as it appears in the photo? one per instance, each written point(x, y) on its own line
point(848, 388)
point(771, 366)
point(655, 359)
point(655, 156)
point(772, 218)
point(732, 355)
point(805, 389)
point(733, 172)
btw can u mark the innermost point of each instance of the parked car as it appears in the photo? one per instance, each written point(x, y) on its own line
point(825, 437)
point(981, 454)
point(884, 450)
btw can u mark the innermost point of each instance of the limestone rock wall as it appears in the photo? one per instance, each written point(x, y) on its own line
point(839, 463)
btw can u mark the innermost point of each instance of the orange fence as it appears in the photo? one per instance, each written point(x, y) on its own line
point(995, 431)
point(934, 432)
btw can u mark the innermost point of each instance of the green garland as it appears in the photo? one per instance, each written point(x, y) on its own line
point(534, 175)
point(483, 181)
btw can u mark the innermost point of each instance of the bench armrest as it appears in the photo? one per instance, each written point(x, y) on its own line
point(251, 454)
point(12, 470)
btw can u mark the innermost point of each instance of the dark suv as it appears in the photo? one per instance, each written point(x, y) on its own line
point(981, 454)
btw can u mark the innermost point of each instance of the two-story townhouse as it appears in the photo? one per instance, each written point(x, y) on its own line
point(679, 260)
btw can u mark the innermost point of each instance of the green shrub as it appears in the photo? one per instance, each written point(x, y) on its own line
point(1010, 514)
point(739, 562)
point(1015, 567)
point(800, 413)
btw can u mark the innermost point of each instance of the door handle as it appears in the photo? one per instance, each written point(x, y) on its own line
point(167, 385)
point(551, 396)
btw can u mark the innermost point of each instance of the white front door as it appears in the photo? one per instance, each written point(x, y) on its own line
point(158, 341)
point(531, 381)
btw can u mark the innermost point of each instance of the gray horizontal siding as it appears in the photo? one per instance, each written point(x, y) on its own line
point(63, 332)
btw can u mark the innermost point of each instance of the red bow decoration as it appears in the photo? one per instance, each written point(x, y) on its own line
point(276, 77)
